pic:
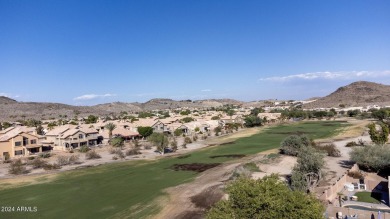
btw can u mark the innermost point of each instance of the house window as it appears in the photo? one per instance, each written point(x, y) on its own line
point(18, 143)
point(33, 141)
point(81, 136)
point(18, 152)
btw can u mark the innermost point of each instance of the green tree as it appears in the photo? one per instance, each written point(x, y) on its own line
point(159, 140)
point(178, 132)
point(215, 118)
point(110, 127)
point(252, 121)
point(266, 198)
point(39, 130)
point(117, 142)
point(256, 111)
point(293, 144)
point(381, 114)
point(187, 119)
point(308, 169)
point(371, 157)
point(379, 137)
point(6, 125)
point(145, 131)
point(91, 119)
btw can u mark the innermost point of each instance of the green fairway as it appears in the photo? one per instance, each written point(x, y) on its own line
point(128, 189)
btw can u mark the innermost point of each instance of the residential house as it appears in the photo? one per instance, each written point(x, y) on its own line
point(18, 141)
point(70, 136)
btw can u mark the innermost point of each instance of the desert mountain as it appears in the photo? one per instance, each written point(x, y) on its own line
point(11, 110)
point(361, 93)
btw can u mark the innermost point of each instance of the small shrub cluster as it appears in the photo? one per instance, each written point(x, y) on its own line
point(356, 174)
point(241, 172)
point(51, 167)
point(351, 144)
point(133, 151)
point(92, 154)
point(38, 163)
point(84, 149)
point(44, 155)
point(251, 166)
point(118, 154)
point(195, 138)
point(67, 160)
point(330, 149)
point(147, 147)
point(17, 167)
point(187, 140)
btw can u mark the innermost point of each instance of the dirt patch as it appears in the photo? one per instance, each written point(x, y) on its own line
point(197, 167)
point(208, 197)
point(229, 156)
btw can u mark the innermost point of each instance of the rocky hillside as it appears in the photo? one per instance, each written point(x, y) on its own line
point(11, 110)
point(361, 93)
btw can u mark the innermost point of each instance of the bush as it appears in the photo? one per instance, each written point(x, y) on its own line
point(67, 160)
point(117, 142)
point(293, 144)
point(373, 157)
point(195, 138)
point(356, 174)
point(184, 145)
point(120, 154)
point(30, 158)
point(187, 140)
point(147, 147)
point(174, 145)
point(44, 155)
point(251, 167)
point(115, 157)
point(133, 151)
point(92, 155)
point(330, 149)
point(178, 132)
point(84, 149)
point(351, 144)
point(17, 167)
point(38, 163)
point(51, 167)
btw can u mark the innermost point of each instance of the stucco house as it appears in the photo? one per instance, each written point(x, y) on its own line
point(69, 136)
point(18, 141)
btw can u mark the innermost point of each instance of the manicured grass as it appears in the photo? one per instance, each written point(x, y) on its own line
point(129, 189)
point(370, 197)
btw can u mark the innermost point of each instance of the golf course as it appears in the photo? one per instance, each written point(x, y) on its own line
point(130, 189)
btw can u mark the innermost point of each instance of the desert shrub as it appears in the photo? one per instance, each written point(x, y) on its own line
point(207, 198)
point(204, 137)
point(17, 167)
point(241, 172)
point(30, 158)
point(133, 151)
point(117, 142)
point(187, 140)
point(44, 155)
point(184, 145)
point(67, 160)
point(120, 154)
point(361, 142)
point(293, 144)
point(84, 149)
point(115, 157)
point(372, 157)
point(51, 167)
point(178, 132)
point(251, 166)
point(356, 174)
point(195, 138)
point(330, 149)
point(174, 145)
point(351, 144)
point(38, 163)
point(92, 154)
point(147, 147)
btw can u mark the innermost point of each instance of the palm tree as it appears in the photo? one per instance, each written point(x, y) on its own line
point(110, 126)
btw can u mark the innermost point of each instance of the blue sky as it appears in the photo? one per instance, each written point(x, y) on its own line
point(93, 51)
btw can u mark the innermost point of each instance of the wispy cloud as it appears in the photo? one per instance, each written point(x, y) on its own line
point(206, 90)
point(93, 96)
point(9, 95)
point(327, 75)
